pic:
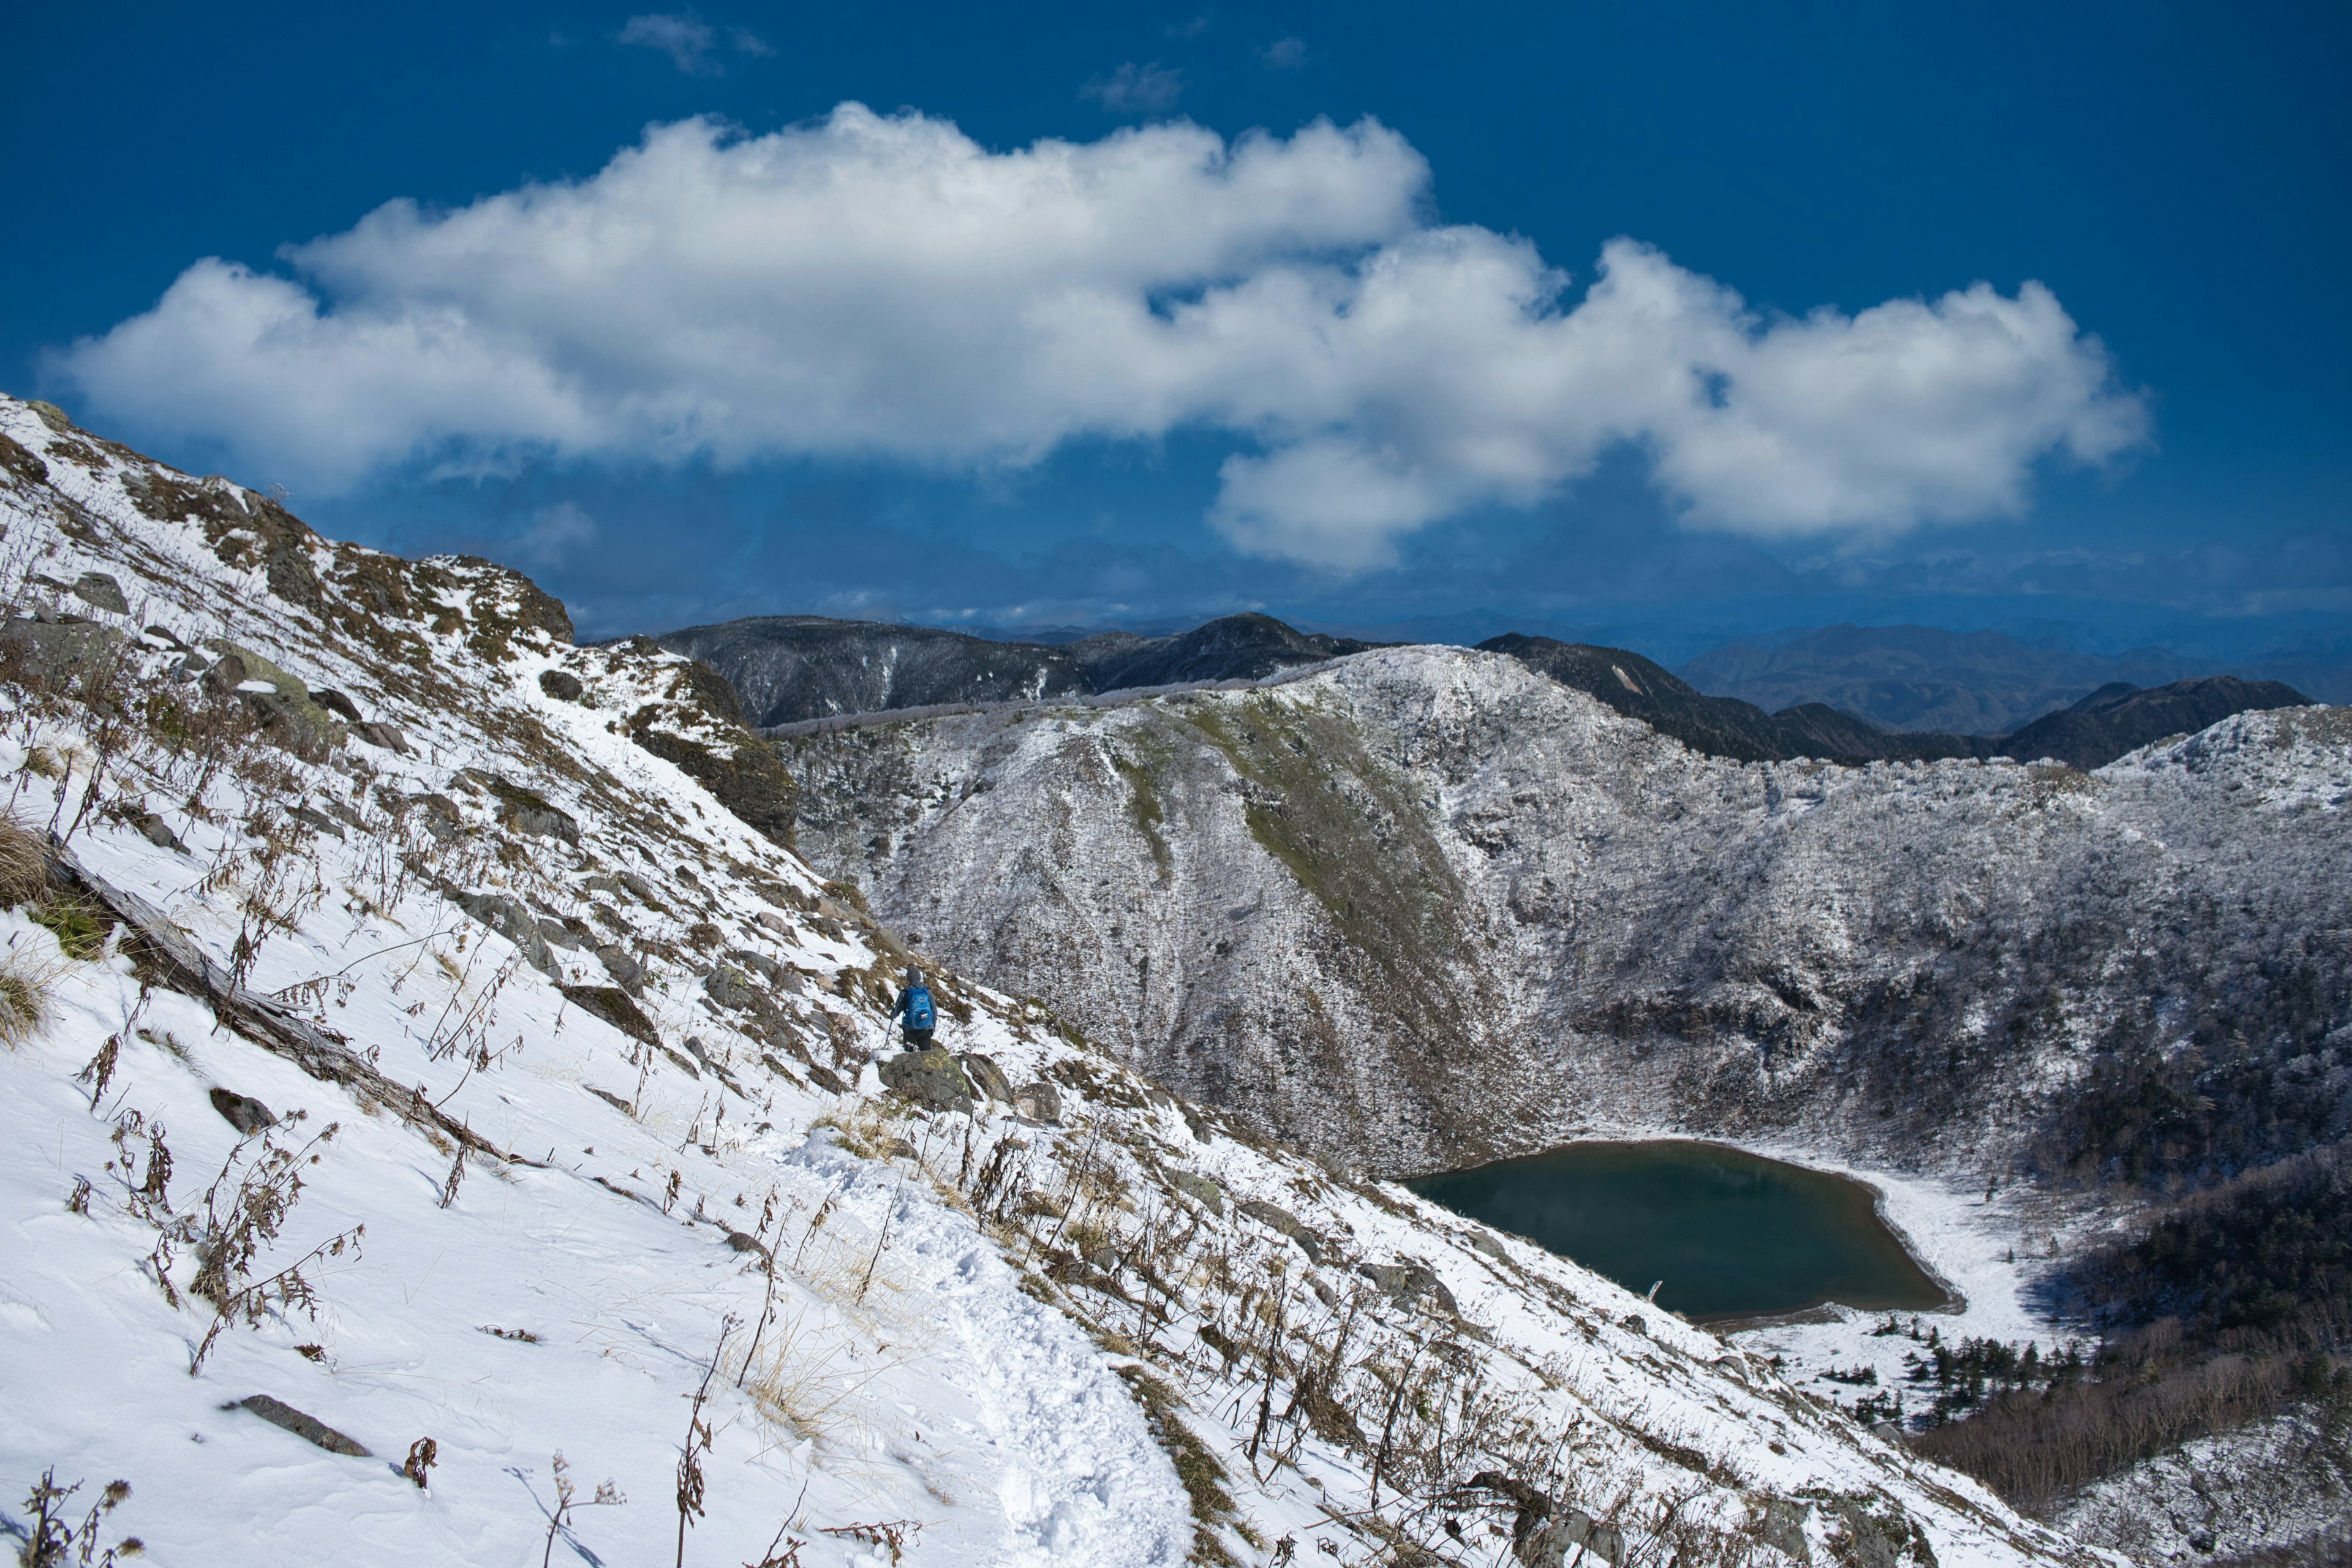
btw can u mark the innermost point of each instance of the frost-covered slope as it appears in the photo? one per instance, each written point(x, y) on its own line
point(1425, 905)
point(366, 845)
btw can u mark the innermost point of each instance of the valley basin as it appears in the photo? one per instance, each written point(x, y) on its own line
point(1726, 1235)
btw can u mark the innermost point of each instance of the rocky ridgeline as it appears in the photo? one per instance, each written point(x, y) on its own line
point(541, 1080)
point(1425, 906)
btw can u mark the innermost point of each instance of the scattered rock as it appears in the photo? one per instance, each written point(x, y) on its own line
point(1484, 1241)
point(557, 934)
point(101, 589)
point(521, 810)
point(928, 1077)
point(625, 971)
point(154, 829)
point(827, 1080)
point(335, 702)
point(1571, 1537)
point(613, 1004)
point(766, 968)
point(309, 1428)
point(1200, 1190)
point(1635, 1323)
point(509, 917)
point(1406, 1283)
point(242, 1111)
point(729, 989)
point(561, 685)
point(986, 1075)
point(383, 736)
point(317, 821)
point(614, 1100)
point(1287, 1223)
point(1039, 1101)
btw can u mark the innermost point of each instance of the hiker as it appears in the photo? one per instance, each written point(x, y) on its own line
point(915, 1010)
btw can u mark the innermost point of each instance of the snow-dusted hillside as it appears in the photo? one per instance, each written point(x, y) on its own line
point(1423, 905)
point(574, 1061)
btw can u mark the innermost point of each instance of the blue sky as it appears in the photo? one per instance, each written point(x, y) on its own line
point(1045, 334)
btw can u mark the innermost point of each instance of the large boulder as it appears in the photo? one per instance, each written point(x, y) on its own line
point(51, 653)
point(931, 1079)
point(986, 1075)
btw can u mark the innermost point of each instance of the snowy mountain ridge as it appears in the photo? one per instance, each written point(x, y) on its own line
point(1425, 906)
point(425, 1058)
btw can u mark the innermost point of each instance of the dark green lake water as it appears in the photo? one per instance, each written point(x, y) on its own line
point(1733, 1234)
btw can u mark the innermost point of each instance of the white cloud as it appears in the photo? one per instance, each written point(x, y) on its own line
point(685, 40)
point(883, 286)
point(554, 533)
point(1284, 55)
point(1137, 89)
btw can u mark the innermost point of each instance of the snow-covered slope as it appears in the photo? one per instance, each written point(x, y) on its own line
point(575, 1063)
point(1423, 905)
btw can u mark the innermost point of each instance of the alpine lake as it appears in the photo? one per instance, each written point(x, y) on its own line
point(1725, 1235)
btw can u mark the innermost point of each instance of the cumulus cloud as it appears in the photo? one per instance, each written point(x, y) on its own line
point(874, 286)
point(1137, 89)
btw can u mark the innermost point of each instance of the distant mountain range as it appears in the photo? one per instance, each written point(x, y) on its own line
point(1926, 679)
point(2114, 719)
point(789, 668)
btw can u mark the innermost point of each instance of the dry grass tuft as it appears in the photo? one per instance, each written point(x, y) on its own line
point(28, 983)
point(24, 863)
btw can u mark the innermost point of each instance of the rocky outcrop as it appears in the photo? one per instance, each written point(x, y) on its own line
point(1427, 906)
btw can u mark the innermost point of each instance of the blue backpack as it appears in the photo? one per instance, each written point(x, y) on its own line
point(919, 1008)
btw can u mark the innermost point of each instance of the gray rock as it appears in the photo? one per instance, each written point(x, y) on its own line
point(729, 989)
point(52, 653)
point(286, 709)
point(316, 821)
point(613, 1004)
point(1200, 1190)
point(1573, 1538)
point(766, 968)
point(335, 702)
point(1039, 1101)
point(156, 831)
point(1282, 1221)
point(625, 971)
point(986, 1075)
point(242, 1111)
point(383, 737)
point(1784, 1528)
point(525, 811)
point(1484, 1241)
point(1409, 1283)
point(101, 589)
point(928, 1077)
point(561, 685)
point(509, 917)
point(309, 1428)
point(555, 934)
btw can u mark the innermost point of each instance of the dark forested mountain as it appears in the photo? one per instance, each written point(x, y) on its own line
point(793, 668)
point(2116, 719)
